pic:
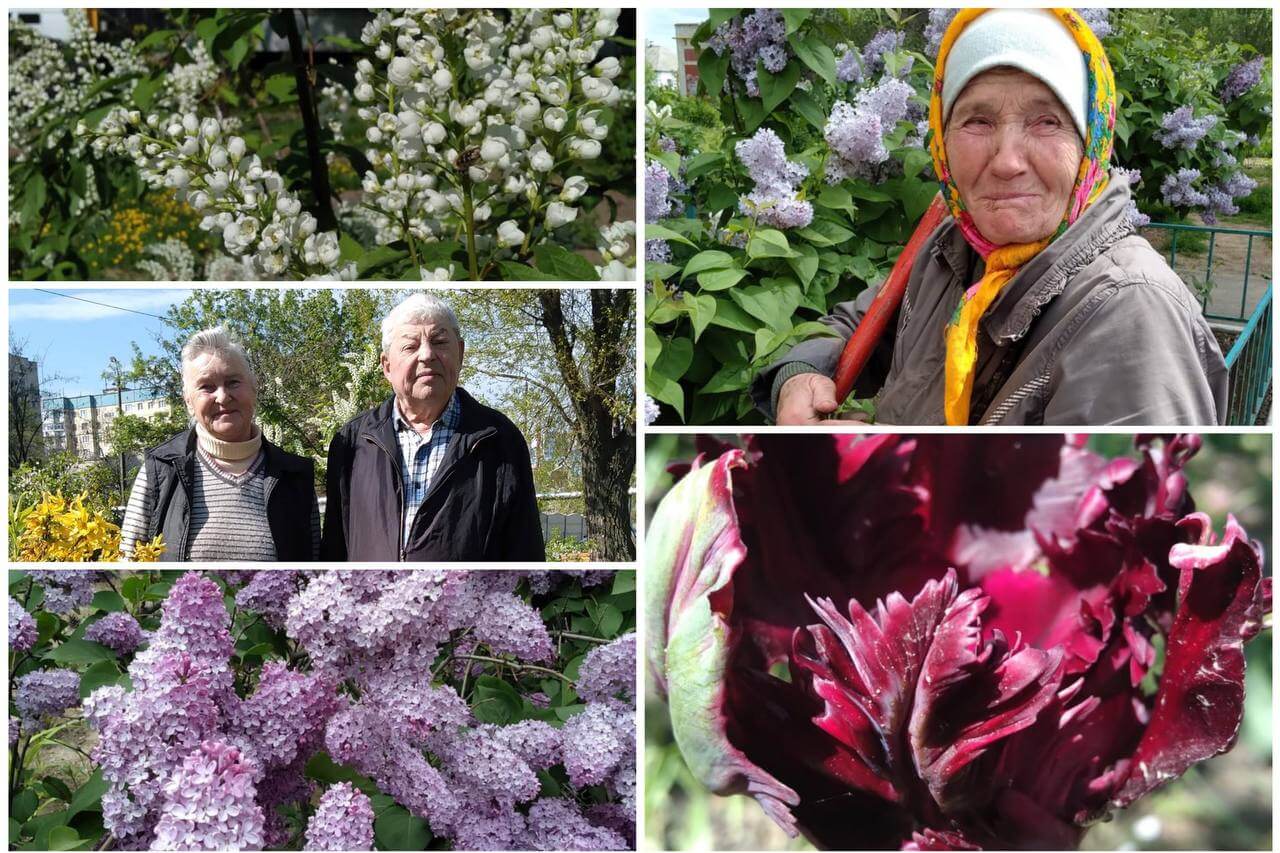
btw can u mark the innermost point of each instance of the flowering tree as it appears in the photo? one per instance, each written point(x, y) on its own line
point(821, 174)
point(947, 643)
point(479, 131)
point(325, 710)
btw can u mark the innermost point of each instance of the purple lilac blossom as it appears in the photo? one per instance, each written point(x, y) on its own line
point(1180, 129)
point(66, 590)
point(773, 201)
point(667, 144)
point(598, 741)
point(1099, 20)
point(758, 37)
point(195, 620)
point(282, 786)
point(46, 692)
point(1178, 189)
point(617, 817)
point(285, 716)
point(657, 204)
point(849, 66)
point(856, 133)
point(15, 731)
point(558, 824)
point(651, 411)
point(22, 627)
point(480, 763)
point(343, 820)
point(268, 594)
point(537, 743)
point(1241, 79)
point(885, 41)
point(210, 803)
point(609, 670)
point(936, 28)
point(1136, 217)
point(119, 632)
point(508, 625)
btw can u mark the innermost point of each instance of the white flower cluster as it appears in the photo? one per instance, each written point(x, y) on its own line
point(472, 117)
point(212, 171)
point(616, 245)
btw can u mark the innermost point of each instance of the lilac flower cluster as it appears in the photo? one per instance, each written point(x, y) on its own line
point(1180, 128)
point(1132, 177)
point(46, 693)
point(1178, 189)
point(856, 133)
point(936, 28)
point(773, 201)
point(544, 581)
point(22, 627)
point(268, 593)
point(343, 820)
point(758, 37)
point(1099, 20)
point(1241, 78)
point(66, 590)
point(883, 42)
point(609, 670)
point(849, 65)
point(119, 632)
point(210, 803)
point(657, 204)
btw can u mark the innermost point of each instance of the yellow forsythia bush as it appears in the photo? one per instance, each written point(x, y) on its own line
point(62, 530)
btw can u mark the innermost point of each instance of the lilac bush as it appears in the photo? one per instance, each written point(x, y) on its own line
point(773, 201)
point(22, 627)
point(757, 37)
point(256, 710)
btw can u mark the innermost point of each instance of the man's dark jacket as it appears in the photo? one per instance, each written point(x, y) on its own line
point(480, 506)
point(290, 492)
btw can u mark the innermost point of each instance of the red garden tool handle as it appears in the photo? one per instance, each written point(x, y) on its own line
point(874, 323)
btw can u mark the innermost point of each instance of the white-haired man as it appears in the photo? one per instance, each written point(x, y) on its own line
point(430, 474)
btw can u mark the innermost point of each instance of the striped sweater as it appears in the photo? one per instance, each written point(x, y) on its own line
point(228, 515)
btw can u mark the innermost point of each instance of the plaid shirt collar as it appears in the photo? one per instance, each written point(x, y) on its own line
point(449, 420)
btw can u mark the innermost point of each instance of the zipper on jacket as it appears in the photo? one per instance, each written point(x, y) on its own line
point(447, 473)
point(399, 494)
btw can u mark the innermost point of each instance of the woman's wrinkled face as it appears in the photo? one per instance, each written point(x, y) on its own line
point(1014, 154)
point(220, 395)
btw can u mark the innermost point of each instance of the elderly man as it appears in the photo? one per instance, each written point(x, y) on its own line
point(430, 474)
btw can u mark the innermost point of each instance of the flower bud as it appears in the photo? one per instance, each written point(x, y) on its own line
point(373, 134)
point(400, 71)
point(492, 149)
point(584, 149)
point(364, 92)
point(573, 189)
point(554, 119)
point(559, 214)
point(541, 161)
point(509, 234)
point(443, 78)
point(434, 133)
point(235, 148)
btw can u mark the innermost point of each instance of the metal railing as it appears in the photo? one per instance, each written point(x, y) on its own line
point(1175, 229)
point(1249, 363)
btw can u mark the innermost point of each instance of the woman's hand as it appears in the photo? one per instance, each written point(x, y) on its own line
point(806, 400)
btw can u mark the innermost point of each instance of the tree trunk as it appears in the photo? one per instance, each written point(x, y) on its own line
point(311, 125)
point(607, 463)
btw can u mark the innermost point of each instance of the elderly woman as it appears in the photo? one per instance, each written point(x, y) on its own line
point(219, 490)
point(1034, 302)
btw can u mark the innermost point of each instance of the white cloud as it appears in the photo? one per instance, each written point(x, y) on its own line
point(60, 309)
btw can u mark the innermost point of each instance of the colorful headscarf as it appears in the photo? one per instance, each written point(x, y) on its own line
point(1003, 262)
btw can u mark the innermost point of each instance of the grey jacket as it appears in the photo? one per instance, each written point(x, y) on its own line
point(1096, 329)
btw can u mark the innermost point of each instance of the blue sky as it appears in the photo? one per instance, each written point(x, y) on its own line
point(659, 24)
point(75, 339)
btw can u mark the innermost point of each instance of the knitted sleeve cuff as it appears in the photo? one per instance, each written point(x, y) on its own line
point(788, 370)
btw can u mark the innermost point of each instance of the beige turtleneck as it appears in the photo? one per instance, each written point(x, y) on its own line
point(234, 457)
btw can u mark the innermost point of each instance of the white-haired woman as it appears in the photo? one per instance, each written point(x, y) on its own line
point(220, 490)
point(430, 474)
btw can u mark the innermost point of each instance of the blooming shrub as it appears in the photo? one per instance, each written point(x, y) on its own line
point(921, 642)
point(346, 710)
point(470, 138)
point(820, 174)
point(60, 530)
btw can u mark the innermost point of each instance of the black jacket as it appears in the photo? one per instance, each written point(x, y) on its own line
point(290, 494)
point(481, 505)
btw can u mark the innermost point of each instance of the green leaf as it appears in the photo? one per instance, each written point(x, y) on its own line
point(512, 271)
point(776, 88)
point(768, 340)
point(769, 243)
point(155, 39)
point(157, 591)
point(57, 788)
point(712, 70)
point(670, 161)
point(609, 620)
point(699, 164)
point(108, 601)
point(702, 310)
point(720, 279)
point(805, 263)
point(395, 829)
point(47, 625)
point(711, 259)
point(675, 358)
point(80, 651)
point(623, 581)
point(659, 232)
point(731, 377)
point(145, 91)
point(730, 316)
point(63, 838)
point(652, 346)
point(795, 18)
point(815, 53)
point(282, 86)
point(915, 161)
point(23, 806)
point(101, 674)
point(563, 264)
point(808, 109)
point(495, 701)
point(134, 587)
point(719, 197)
point(837, 198)
point(378, 258)
point(857, 189)
point(752, 112)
